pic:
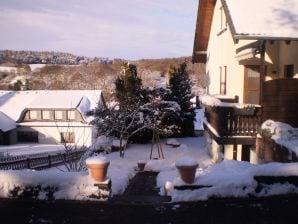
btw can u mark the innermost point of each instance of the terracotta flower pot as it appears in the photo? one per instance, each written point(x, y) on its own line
point(98, 168)
point(187, 169)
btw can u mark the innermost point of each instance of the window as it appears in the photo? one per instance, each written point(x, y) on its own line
point(27, 136)
point(71, 115)
point(46, 115)
point(67, 137)
point(223, 80)
point(58, 115)
point(289, 71)
point(33, 114)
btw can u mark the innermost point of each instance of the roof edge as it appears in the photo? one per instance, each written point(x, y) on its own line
point(203, 29)
point(259, 37)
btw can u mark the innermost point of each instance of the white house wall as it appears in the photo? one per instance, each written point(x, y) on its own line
point(221, 52)
point(51, 135)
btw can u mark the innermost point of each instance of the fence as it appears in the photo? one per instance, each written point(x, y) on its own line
point(280, 100)
point(39, 161)
point(229, 122)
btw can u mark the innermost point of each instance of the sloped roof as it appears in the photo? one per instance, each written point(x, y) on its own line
point(6, 123)
point(248, 19)
point(203, 27)
point(272, 19)
point(13, 103)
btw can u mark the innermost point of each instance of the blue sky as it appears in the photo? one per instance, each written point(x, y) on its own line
point(130, 29)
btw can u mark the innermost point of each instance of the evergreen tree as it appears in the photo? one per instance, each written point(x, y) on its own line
point(128, 87)
point(180, 86)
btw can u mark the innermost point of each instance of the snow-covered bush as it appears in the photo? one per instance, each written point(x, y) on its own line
point(277, 130)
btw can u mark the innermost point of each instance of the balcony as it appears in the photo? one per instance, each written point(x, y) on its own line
point(232, 123)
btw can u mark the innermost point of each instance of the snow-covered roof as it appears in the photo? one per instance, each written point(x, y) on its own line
point(13, 103)
point(265, 18)
point(6, 123)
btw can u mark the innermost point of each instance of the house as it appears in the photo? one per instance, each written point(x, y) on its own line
point(48, 116)
point(250, 49)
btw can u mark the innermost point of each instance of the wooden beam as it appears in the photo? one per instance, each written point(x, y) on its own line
point(271, 42)
point(262, 69)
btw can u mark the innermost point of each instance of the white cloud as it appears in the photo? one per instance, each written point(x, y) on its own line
point(118, 28)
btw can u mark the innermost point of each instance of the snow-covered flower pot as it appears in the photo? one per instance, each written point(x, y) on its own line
point(141, 165)
point(98, 167)
point(187, 169)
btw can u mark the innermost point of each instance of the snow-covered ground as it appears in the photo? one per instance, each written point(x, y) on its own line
point(7, 69)
point(225, 179)
point(35, 67)
point(29, 149)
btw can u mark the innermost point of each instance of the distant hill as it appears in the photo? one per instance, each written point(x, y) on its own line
point(45, 57)
point(92, 75)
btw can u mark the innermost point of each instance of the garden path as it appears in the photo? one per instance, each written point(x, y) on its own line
point(142, 189)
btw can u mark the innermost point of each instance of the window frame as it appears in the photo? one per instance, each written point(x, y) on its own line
point(56, 113)
point(43, 115)
point(289, 71)
point(31, 113)
point(67, 137)
point(71, 115)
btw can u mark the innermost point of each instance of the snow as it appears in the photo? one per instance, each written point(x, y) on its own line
point(172, 141)
point(30, 149)
point(199, 119)
point(186, 161)
point(231, 179)
point(97, 160)
point(225, 179)
point(278, 130)
point(213, 101)
point(7, 69)
point(70, 185)
point(78, 186)
point(283, 134)
point(35, 67)
point(116, 142)
point(101, 142)
point(271, 18)
point(13, 103)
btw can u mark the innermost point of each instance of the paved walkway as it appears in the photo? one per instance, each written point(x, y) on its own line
point(142, 189)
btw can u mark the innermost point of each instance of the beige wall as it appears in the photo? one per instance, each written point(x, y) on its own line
point(51, 135)
point(222, 51)
point(289, 55)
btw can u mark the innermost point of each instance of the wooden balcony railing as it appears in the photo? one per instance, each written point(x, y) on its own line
point(231, 121)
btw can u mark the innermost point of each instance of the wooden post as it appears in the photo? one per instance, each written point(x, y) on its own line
point(28, 163)
point(262, 69)
point(156, 140)
point(50, 162)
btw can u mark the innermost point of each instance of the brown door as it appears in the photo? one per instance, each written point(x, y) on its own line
point(252, 84)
